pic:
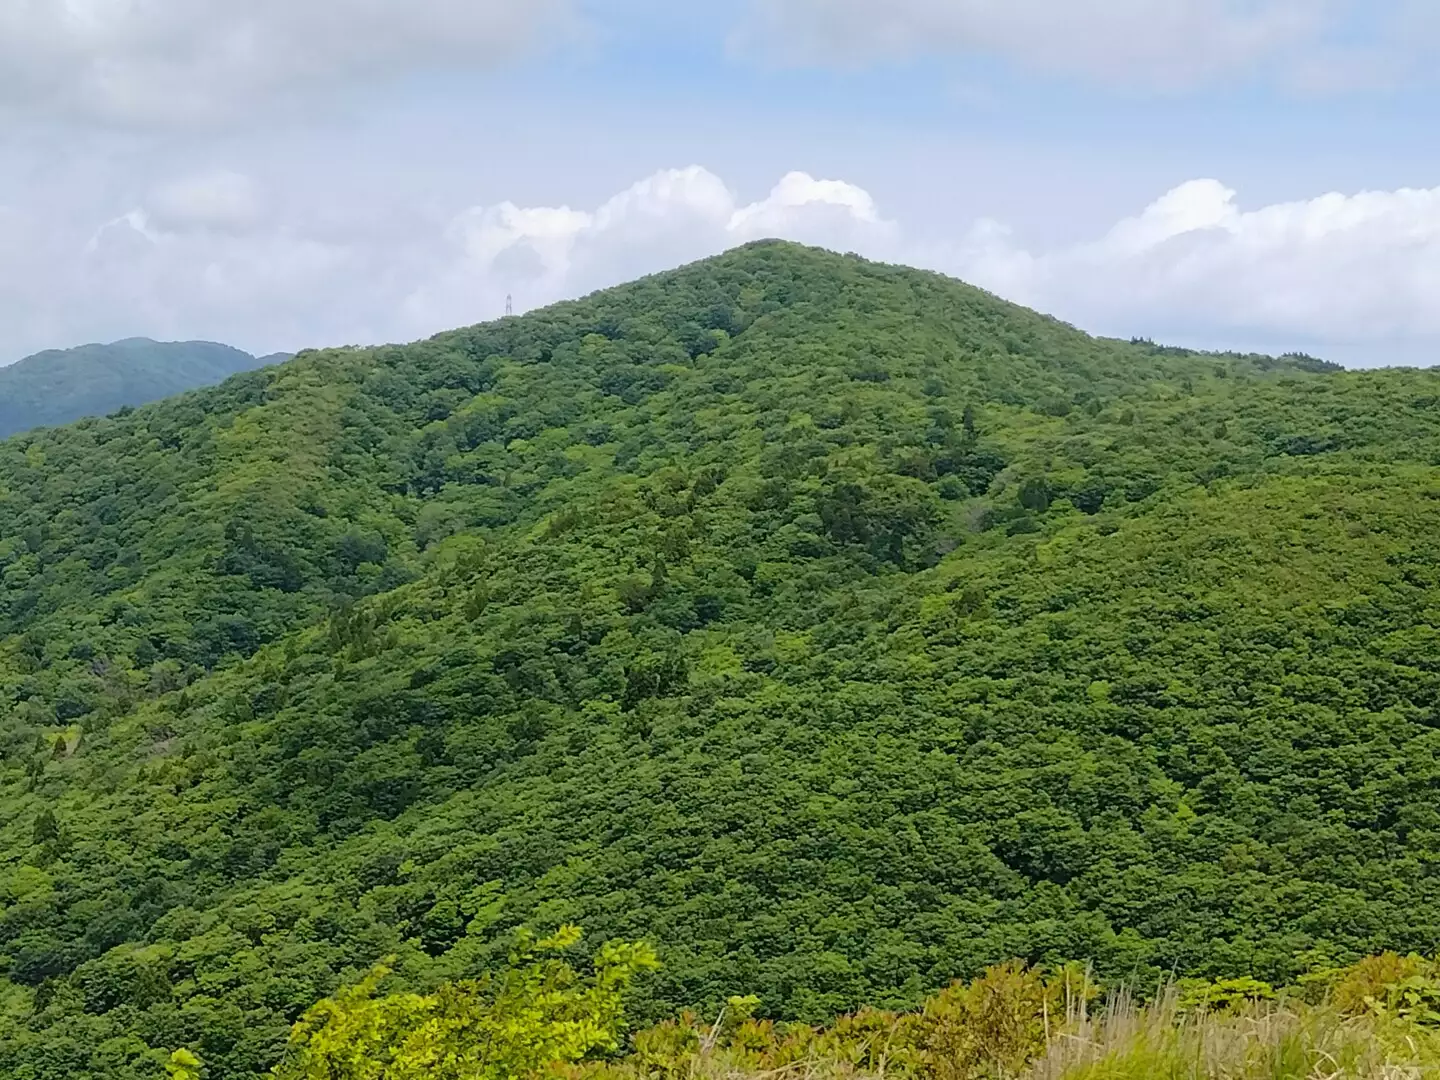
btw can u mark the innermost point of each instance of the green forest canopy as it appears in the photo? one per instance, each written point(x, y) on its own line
point(836, 627)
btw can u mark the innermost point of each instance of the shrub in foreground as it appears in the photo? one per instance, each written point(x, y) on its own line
point(542, 1018)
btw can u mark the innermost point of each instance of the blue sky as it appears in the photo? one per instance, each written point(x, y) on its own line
point(1226, 173)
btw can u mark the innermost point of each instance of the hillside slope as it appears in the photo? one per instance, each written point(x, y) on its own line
point(62, 385)
point(836, 626)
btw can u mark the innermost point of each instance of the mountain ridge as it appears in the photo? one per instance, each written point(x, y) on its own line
point(839, 627)
point(58, 386)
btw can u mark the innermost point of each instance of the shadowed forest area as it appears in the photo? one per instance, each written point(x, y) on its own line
point(60, 386)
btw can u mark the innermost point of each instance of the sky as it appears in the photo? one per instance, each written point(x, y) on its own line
point(281, 174)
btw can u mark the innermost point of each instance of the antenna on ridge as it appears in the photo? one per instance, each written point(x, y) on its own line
point(509, 305)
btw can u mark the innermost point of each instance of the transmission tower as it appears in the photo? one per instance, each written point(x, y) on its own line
point(509, 305)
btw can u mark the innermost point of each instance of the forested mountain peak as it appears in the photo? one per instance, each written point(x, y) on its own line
point(838, 627)
point(61, 385)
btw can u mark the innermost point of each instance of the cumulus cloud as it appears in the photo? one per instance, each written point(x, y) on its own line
point(1194, 264)
point(212, 256)
point(148, 61)
point(539, 254)
point(1344, 268)
point(1167, 43)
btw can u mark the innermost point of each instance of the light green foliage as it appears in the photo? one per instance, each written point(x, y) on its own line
point(995, 1025)
point(839, 628)
point(1220, 995)
point(183, 1065)
point(509, 1026)
point(1374, 984)
point(1415, 999)
point(1389, 985)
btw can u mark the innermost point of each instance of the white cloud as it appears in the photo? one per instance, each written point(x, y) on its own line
point(674, 216)
point(219, 256)
point(802, 207)
point(1308, 44)
point(214, 256)
point(1347, 269)
point(148, 61)
point(1194, 264)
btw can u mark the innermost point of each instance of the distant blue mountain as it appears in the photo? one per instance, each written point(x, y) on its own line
point(61, 385)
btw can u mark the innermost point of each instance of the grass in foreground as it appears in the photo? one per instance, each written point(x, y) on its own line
point(1125, 1041)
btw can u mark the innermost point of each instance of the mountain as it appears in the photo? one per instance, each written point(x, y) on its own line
point(59, 386)
point(837, 627)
